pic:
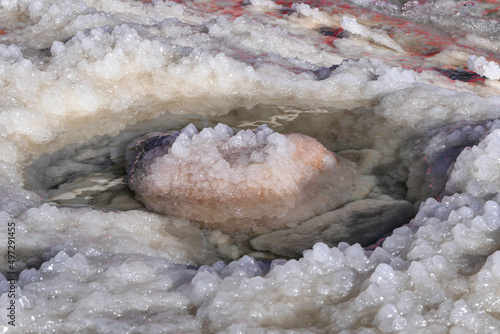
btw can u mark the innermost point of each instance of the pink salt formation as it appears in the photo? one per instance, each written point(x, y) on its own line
point(251, 182)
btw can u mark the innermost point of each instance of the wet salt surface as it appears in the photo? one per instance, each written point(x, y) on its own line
point(93, 174)
point(81, 80)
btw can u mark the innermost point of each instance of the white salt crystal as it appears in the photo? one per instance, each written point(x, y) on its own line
point(248, 176)
point(481, 66)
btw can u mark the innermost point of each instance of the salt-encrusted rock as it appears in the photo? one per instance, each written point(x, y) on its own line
point(281, 192)
point(251, 182)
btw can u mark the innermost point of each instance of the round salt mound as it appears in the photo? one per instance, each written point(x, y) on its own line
point(247, 183)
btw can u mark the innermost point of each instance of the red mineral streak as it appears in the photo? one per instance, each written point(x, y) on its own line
point(420, 42)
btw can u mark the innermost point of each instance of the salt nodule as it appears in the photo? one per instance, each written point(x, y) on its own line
point(284, 192)
point(248, 182)
point(480, 65)
point(80, 79)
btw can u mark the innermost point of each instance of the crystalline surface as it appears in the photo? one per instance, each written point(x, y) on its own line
point(245, 182)
point(407, 91)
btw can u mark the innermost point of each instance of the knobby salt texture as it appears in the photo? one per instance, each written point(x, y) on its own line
point(249, 182)
point(480, 65)
point(75, 69)
point(436, 275)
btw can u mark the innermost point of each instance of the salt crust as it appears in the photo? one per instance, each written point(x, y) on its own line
point(476, 169)
point(315, 13)
point(249, 182)
point(440, 278)
point(268, 4)
point(439, 267)
point(378, 36)
point(439, 167)
point(41, 230)
point(481, 66)
point(475, 147)
point(175, 60)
